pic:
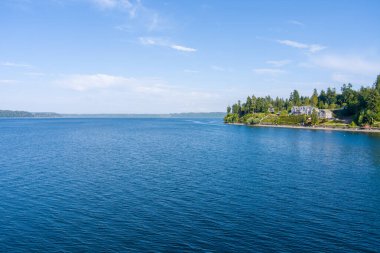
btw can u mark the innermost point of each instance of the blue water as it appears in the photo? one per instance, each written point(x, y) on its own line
point(124, 185)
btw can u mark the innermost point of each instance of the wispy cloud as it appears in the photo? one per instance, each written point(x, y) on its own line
point(129, 6)
point(352, 78)
point(342, 78)
point(15, 65)
point(122, 5)
point(115, 93)
point(7, 81)
point(279, 63)
point(183, 48)
point(154, 22)
point(312, 48)
point(139, 15)
point(268, 71)
point(84, 83)
point(295, 22)
point(350, 64)
point(191, 71)
point(148, 41)
point(35, 74)
point(153, 41)
point(96, 81)
point(219, 68)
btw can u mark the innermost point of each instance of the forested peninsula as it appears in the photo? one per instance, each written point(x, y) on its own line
point(348, 108)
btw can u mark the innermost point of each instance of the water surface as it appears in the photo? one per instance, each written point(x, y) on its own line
point(123, 185)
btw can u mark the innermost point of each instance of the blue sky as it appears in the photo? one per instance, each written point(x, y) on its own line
point(150, 56)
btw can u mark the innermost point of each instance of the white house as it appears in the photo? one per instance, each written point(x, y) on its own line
point(301, 110)
point(308, 110)
point(325, 114)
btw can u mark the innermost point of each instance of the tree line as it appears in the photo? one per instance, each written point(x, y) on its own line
point(363, 104)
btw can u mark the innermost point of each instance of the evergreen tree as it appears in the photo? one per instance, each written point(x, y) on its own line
point(331, 96)
point(322, 98)
point(314, 98)
point(253, 104)
point(363, 104)
point(314, 117)
point(306, 101)
point(295, 98)
point(248, 105)
point(377, 83)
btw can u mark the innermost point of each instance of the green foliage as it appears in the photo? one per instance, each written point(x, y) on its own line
point(314, 118)
point(231, 118)
point(376, 124)
point(291, 120)
point(363, 105)
point(331, 96)
point(353, 125)
point(252, 116)
point(314, 98)
point(366, 117)
point(295, 98)
point(253, 121)
point(270, 120)
point(377, 83)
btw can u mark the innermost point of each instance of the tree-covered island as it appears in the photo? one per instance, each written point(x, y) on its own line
point(348, 109)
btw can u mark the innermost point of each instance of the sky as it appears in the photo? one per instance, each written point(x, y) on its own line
point(170, 56)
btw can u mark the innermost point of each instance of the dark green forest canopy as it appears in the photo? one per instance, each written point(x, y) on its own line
point(363, 104)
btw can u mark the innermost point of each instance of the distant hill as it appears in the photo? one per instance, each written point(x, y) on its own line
point(24, 114)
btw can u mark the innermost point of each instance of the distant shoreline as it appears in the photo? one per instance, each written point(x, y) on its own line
point(25, 114)
point(354, 130)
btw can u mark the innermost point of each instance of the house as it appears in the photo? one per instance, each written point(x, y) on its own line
point(308, 110)
point(271, 109)
point(325, 114)
point(301, 110)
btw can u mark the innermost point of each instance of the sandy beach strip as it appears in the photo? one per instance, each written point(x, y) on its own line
point(354, 130)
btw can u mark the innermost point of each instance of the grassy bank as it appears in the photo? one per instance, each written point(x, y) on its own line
point(298, 121)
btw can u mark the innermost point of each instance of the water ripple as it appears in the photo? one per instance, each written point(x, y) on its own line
point(132, 185)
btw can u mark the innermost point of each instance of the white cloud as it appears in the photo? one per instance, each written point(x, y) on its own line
point(154, 22)
point(35, 74)
point(350, 64)
point(183, 48)
point(148, 41)
point(349, 78)
point(112, 4)
point(89, 82)
point(295, 22)
point(15, 65)
point(313, 48)
point(7, 81)
point(268, 71)
point(140, 17)
point(96, 81)
point(342, 78)
point(108, 93)
point(217, 68)
point(152, 41)
point(279, 63)
point(222, 68)
point(191, 71)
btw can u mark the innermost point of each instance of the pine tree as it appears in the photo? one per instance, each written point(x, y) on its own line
point(314, 98)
